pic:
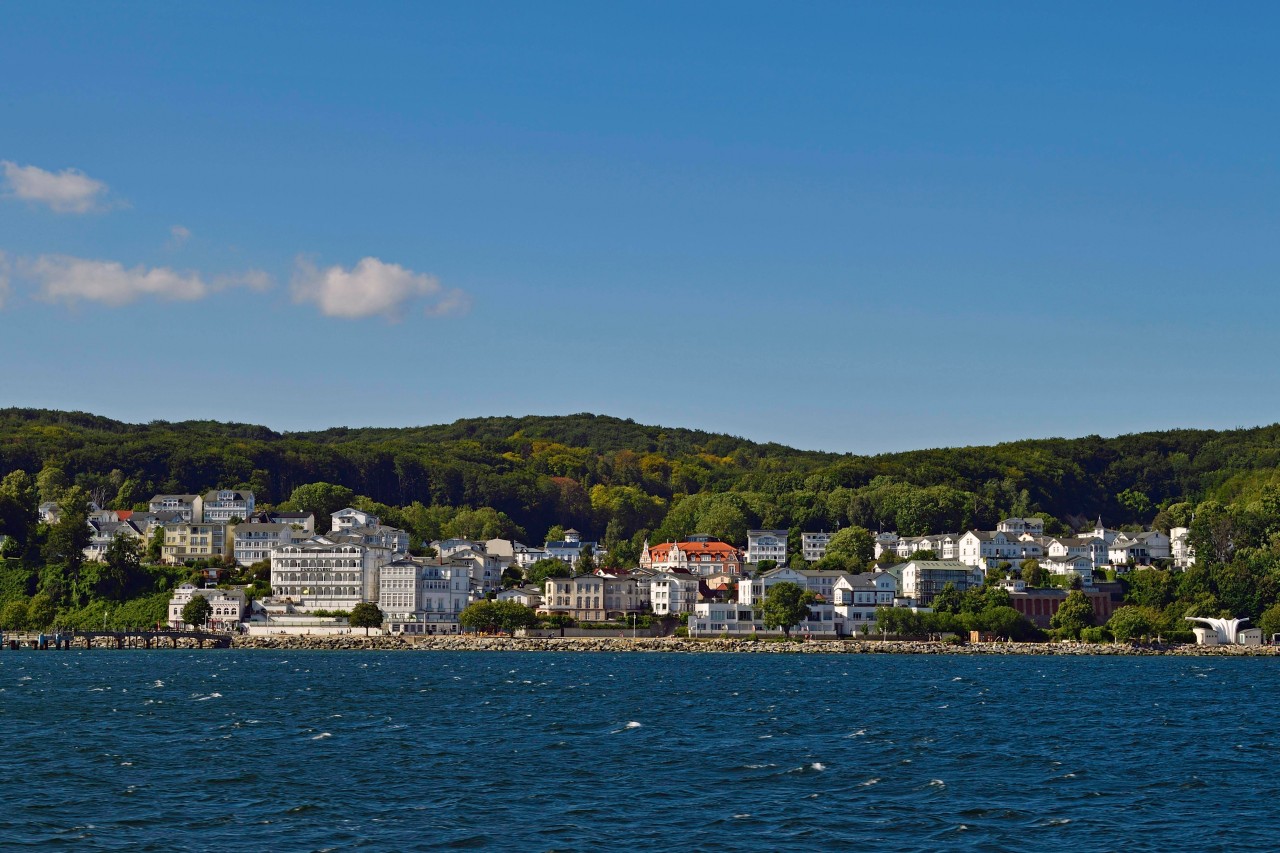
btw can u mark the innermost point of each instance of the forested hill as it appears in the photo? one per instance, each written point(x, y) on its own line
point(614, 478)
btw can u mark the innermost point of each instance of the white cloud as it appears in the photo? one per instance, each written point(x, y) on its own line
point(179, 234)
point(60, 278)
point(372, 287)
point(68, 191)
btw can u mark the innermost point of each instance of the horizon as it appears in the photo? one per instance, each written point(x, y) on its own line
point(863, 228)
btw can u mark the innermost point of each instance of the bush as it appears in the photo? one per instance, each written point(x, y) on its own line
point(682, 631)
point(1094, 635)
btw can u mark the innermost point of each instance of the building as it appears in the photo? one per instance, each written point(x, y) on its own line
point(1078, 546)
point(485, 570)
point(857, 597)
point(672, 592)
point(529, 596)
point(1180, 547)
point(987, 549)
point(228, 607)
point(323, 574)
point(767, 545)
point(344, 519)
point(423, 596)
point(699, 555)
point(922, 580)
point(1039, 605)
point(580, 597)
point(393, 539)
point(254, 541)
point(188, 507)
point(303, 522)
point(223, 505)
point(106, 532)
point(813, 546)
point(569, 549)
point(1078, 564)
point(186, 541)
point(1017, 526)
point(886, 541)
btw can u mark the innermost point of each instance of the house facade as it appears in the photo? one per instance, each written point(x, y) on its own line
point(767, 545)
point(813, 546)
point(700, 555)
point(222, 505)
point(323, 574)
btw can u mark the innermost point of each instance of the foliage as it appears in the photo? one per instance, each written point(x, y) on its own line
point(365, 615)
point(1073, 615)
point(785, 605)
point(491, 617)
point(1130, 623)
point(197, 611)
point(547, 568)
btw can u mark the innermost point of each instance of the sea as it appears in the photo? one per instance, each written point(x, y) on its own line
point(324, 751)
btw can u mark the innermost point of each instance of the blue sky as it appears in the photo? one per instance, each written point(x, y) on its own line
point(863, 227)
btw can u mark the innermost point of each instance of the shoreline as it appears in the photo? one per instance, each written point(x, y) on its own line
point(671, 645)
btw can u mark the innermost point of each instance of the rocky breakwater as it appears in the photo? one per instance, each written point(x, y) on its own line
point(352, 642)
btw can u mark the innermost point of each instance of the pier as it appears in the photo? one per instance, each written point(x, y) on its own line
point(67, 640)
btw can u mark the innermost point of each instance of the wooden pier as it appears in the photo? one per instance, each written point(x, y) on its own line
point(121, 639)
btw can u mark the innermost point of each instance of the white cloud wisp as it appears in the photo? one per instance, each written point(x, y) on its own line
point(68, 191)
point(60, 278)
point(372, 288)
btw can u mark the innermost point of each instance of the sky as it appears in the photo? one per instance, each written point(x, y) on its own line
point(848, 227)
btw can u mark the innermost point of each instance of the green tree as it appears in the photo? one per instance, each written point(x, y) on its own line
point(323, 499)
point(121, 571)
point(481, 616)
point(1004, 621)
point(797, 562)
point(855, 544)
point(1128, 623)
point(1033, 574)
point(786, 605)
point(13, 616)
point(512, 616)
point(197, 611)
point(549, 567)
point(51, 482)
point(947, 600)
point(586, 561)
point(19, 507)
point(1269, 622)
point(555, 533)
point(365, 615)
point(155, 546)
point(766, 565)
point(70, 534)
point(41, 611)
point(1074, 615)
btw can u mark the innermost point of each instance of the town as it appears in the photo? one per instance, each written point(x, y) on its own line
point(327, 576)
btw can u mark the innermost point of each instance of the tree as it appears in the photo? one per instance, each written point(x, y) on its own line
point(197, 611)
point(121, 571)
point(155, 546)
point(19, 507)
point(1004, 621)
point(1074, 615)
point(786, 605)
point(765, 565)
point(512, 615)
point(1269, 622)
point(70, 534)
point(797, 562)
point(855, 544)
point(948, 600)
point(1129, 622)
point(51, 482)
point(481, 616)
point(365, 615)
point(555, 533)
point(547, 568)
point(41, 611)
point(586, 561)
point(323, 499)
point(1033, 574)
point(13, 616)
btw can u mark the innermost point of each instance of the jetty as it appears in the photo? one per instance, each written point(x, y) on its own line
point(142, 639)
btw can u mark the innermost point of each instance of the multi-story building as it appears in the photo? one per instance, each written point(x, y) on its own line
point(767, 545)
point(187, 541)
point(1078, 546)
point(924, 579)
point(349, 517)
point(228, 607)
point(672, 592)
point(700, 555)
point(393, 539)
point(813, 546)
point(1034, 526)
point(1039, 605)
point(423, 596)
point(1077, 564)
point(580, 597)
point(254, 542)
point(106, 532)
point(1180, 547)
point(569, 549)
point(189, 507)
point(987, 549)
point(324, 574)
point(222, 505)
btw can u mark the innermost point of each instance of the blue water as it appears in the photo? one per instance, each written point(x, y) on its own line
point(255, 750)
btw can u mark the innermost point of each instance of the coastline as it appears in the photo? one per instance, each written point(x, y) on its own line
point(672, 645)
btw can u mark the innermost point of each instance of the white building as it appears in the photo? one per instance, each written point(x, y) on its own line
point(323, 574)
point(529, 596)
point(569, 549)
point(393, 539)
point(767, 545)
point(190, 508)
point(987, 549)
point(254, 542)
point(673, 592)
point(104, 533)
point(813, 546)
point(222, 505)
point(423, 597)
point(1034, 526)
point(1078, 546)
point(1076, 564)
point(886, 542)
point(1180, 548)
point(344, 519)
point(228, 607)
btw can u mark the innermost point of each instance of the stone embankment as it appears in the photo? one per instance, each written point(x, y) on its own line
point(670, 644)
